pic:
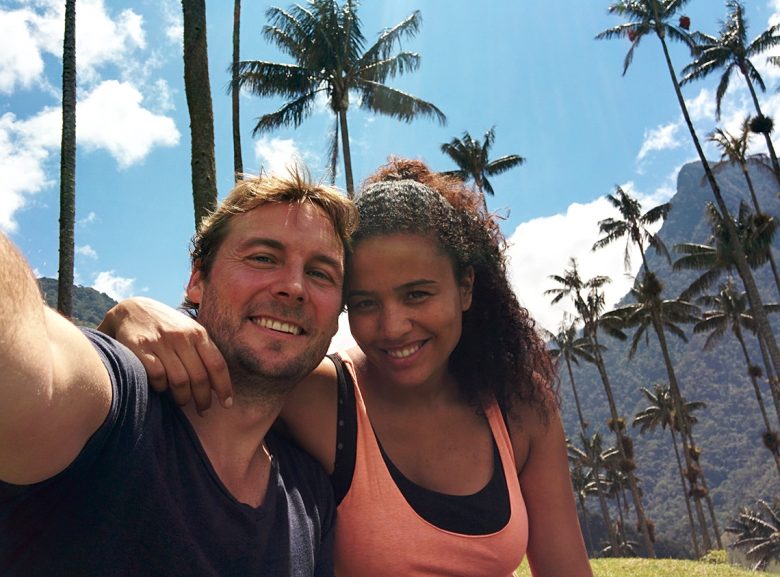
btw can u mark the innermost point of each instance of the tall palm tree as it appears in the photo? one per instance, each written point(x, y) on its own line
point(661, 412)
point(730, 51)
point(326, 43)
point(473, 160)
point(728, 309)
point(734, 149)
point(589, 302)
point(68, 164)
point(656, 17)
point(591, 456)
point(757, 533)
point(580, 479)
point(566, 346)
point(663, 315)
point(198, 91)
point(633, 225)
point(238, 161)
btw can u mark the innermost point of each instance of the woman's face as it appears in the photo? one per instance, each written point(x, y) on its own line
point(405, 306)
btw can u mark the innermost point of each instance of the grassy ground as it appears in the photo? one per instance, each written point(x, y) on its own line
point(634, 567)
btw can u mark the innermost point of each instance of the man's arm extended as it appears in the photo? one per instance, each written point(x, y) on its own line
point(54, 390)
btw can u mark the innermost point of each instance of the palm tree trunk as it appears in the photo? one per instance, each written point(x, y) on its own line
point(583, 424)
point(767, 136)
point(618, 430)
point(687, 498)
point(585, 522)
point(68, 164)
point(764, 329)
point(757, 391)
point(198, 91)
point(345, 152)
point(235, 92)
point(758, 210)
point(771, 376)
point(708, 499)
point(680, 410)
point(613, 541)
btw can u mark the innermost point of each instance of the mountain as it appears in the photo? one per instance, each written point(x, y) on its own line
point(738, 468)
point(89, 305)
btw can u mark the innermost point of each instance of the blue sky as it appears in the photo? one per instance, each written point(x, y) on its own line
point(532, 69)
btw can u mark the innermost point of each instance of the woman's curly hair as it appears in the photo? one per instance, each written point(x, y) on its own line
point(499, 354)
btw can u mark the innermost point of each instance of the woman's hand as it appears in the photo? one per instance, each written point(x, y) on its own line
point(174, 349)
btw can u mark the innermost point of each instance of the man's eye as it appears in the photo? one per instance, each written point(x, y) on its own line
point(417, 295)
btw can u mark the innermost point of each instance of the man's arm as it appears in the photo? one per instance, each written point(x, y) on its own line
point(54, 390)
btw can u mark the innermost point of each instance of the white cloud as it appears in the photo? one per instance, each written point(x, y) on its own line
point(87, 251)
point(542, 247)
point(276, 155)
point(112, 117)
point(661, 138)
point(22, 158)
point(702, 107)
point(21, 62)
point(87, 220)
point(116, 287)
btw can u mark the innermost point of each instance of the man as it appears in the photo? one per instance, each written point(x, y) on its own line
point(100, 477)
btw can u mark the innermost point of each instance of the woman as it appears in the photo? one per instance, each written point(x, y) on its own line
point(440, 430)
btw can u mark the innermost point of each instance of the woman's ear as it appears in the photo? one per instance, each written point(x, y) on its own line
point(466, 288)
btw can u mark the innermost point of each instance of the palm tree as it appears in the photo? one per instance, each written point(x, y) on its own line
point(569, 348)
point(580, 480)
point(633, 225)
point(661, 412)
point(729, 310)
point(734, 150)
point(198, 91)
point(731, 52)
point(757, 533)
point(655, 16)
point(238, 161)
point(589, 302)
point(473, 160)
point(591, 457)
point(649, 310)
point(326, 43)
point(68, 164)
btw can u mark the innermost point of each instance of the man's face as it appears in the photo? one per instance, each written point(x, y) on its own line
point(272, 298)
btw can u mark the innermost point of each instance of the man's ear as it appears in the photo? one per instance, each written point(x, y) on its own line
point(466, 288)
point(195, 285)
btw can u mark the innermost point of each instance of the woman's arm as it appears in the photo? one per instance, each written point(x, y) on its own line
point(555, 544)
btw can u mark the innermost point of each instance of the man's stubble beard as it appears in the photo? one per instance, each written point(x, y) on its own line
point(254, 379)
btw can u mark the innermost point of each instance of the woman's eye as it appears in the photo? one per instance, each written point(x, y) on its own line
point(361, 305)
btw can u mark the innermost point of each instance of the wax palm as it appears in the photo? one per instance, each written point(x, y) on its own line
point(734, 149)
point(633, 225)
point(473, 160)
point(661, 412)
point(326, 42)
point(588, 299)
point(590, 455)
point(67, 165)
point(568, 347)
point(580, 478)
point(238, 162)
point(656, 17)
point(758, 533)
point(731, 52)
point(664, 316)
point(729, 310)
point(754, 233)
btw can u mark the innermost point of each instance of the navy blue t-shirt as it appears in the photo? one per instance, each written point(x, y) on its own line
point(142, 499)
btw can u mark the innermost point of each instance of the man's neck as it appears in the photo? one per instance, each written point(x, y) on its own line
point(233, 440)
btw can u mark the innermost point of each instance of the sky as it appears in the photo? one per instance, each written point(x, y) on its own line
point(555, 95)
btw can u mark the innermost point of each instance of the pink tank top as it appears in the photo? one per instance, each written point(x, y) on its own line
point(378, 534)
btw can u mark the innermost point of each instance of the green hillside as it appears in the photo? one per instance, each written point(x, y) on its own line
point(89, 305)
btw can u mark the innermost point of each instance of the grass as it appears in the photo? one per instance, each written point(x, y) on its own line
point(636, 567)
